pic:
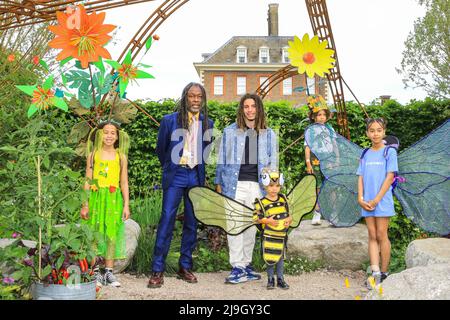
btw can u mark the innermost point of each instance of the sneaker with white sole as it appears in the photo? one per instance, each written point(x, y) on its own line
point(237, 275)
point(251, 274)
point(99, 278)
point(373, 281)
point(110, 279)
point(316, 219)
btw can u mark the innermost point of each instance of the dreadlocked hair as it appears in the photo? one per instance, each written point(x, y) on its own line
point(260, 119)
point(183, 107)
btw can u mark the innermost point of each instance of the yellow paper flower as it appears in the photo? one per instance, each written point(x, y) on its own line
point(347, 283)
point(311, 56)
point(315, 162)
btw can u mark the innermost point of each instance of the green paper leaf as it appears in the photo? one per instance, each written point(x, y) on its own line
point(59, 103)
point(143, 75)
point(76, 106)
point(143, 65)
point(44, 64)
point(64, 79)
point(128, 59)
point(122, 87)
point(63, 62)
point(114, 64)
point(27, 89)
point(148, 43)
point(32, 110)
point(48, 84)
point(99, 64)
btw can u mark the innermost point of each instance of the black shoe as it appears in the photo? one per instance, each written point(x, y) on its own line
point(271, 284)
point(384, 275)
point(282, 284)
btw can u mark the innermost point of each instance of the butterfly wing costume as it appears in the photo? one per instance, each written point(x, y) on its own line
point(421, 184)
point(214, 209)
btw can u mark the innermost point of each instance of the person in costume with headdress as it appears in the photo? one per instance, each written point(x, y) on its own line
point(108, 205)
point(318, 113)
point(272, 212)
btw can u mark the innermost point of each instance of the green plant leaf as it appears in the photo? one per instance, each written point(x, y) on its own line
point(79, 131)
point(48, 84)
point(32, 110)
point(114, 64)
point(99, 64)
point(27, 89)
point(128, 59)
point(63, 62)
point(60, 103)
point(44, 65)
point(142, 75)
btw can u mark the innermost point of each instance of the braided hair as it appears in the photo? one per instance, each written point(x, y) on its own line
point(183, 107)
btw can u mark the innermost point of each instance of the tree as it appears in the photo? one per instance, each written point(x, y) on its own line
point(426, 58)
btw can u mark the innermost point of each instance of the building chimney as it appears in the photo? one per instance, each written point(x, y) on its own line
point(272, 20)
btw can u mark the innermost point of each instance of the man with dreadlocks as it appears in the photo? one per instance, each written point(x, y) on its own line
point(247, 146)
point(182, 139)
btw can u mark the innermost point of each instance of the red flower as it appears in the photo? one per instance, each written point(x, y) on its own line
point(112, 189)
point(11, 58)
point(36, 60)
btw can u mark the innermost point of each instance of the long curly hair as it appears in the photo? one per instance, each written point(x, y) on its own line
point(260, 119)
point(183, 107)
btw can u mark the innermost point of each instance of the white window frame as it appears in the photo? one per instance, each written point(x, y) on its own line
point(239, 51)
point(311, 84)
point(285, 55)
point(218, 86)
point(266, 50)
point(241, 85)
point(262, 79)
point(287, 87)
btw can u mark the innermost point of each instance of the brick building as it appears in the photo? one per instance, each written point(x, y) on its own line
point(245, 62)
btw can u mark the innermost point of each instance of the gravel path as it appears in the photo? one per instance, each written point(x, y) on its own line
point(318, 285)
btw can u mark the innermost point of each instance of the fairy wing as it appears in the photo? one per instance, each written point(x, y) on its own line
point(339, 159)
point(214, 209)
point(302, 199)
point(423, 184)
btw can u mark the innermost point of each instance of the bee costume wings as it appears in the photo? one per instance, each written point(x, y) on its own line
point(214, 209)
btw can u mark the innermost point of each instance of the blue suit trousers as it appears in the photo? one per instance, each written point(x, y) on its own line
point(184, 179)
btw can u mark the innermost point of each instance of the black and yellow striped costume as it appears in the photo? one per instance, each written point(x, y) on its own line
point(273, 238)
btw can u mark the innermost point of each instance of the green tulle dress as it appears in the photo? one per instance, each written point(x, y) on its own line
point(105, 208)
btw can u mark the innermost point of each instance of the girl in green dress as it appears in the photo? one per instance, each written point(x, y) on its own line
point(107, 184)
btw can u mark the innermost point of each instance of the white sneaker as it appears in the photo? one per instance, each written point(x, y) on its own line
point(111, 280)
point(316, 219)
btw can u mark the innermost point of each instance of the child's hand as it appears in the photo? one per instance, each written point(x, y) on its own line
point(84, 212)
point(126, 213)
point(288, 221)
point(309, 168)
point(271, 222)
point(365, 205)
point(373, 203)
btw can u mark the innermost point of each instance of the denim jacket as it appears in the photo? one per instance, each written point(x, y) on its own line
point(231, 151)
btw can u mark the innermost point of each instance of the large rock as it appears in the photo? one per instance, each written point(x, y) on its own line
point(420, 283)
point(338, 248)
point(132, 232)
point(427, 251)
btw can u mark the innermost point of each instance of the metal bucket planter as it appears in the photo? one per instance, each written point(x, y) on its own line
point(81, 291)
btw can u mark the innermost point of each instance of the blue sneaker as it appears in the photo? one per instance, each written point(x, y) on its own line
point(237, 275)
point(251, 274)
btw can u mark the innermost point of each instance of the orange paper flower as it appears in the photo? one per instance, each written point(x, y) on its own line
point(84, 41)
point(11, 58)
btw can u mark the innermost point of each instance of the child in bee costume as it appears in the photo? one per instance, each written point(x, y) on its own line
point(272, 212)
point(275, 213)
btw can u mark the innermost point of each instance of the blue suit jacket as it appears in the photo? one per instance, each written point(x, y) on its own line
point(170, 144)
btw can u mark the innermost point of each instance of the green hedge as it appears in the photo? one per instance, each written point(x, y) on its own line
point(409, 123)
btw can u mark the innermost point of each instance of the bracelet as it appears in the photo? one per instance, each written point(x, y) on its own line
point(307, 160)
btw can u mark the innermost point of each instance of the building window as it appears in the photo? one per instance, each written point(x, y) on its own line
point(264, 55)
point(262, 79)
point(241, 85)
point(311, 84)
point(218, 86)
point(287, 87)
point(241, 54)
point(285, 56)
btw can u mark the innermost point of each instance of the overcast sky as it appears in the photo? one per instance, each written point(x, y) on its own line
point(369, 37)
